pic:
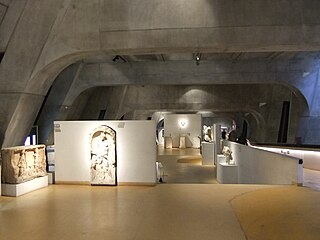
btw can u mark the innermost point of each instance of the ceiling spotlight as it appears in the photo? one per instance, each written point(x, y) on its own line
point(183, 123)
point(198, 59)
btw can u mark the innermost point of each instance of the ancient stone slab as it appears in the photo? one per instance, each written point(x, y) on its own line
point(103, 156)
point(23, 163)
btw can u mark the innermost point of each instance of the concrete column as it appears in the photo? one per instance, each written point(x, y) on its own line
point(24, 108)
point(23, 44)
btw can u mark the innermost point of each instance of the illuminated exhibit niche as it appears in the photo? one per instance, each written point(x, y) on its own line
point(103, 162)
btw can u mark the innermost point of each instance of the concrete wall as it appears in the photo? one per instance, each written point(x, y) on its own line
point(257, 166)
point(41, 38)
point(236, 102)
point(136, 152)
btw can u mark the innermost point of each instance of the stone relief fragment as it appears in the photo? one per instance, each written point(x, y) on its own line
point(226, 151)
point(23, 163)
point(103, 156)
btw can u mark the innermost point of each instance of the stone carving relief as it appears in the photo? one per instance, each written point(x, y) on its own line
point(103, 156)
point(228, 154)
point(23, 163)
point(207, 133)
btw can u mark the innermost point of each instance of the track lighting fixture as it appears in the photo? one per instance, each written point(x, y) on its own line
point(198, 59)
point(117, 57)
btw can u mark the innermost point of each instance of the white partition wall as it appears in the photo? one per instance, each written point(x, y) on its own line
point(183, 125)
point(311, 158)
point(135, 144)
point(257, 166)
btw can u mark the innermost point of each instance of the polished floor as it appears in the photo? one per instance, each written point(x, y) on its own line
point(166, 211)
point(174, 171)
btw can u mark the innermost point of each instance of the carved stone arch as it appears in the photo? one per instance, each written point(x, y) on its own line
point(103, 156)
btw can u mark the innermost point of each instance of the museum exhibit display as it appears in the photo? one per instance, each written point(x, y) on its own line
point(23, 163)
point(226, 173)
point(227, 170)
point(256, 166)
point(183, 129)
point(103, 162)
point(207, 133)
point(105, 152)
point(228, 155)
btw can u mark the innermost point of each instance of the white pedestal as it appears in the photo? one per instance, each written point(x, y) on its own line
point(221, 158)
point(15, 190)
point(182, 142)
point(167, 142)
point(207, 153)
point(227, 173)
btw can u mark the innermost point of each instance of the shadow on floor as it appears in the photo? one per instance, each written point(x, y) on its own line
point(184, 166)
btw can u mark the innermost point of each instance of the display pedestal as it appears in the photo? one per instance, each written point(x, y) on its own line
point(167, 142)
point(15, 190)
point(207, 153)
point(226, 173)
point(182, 143)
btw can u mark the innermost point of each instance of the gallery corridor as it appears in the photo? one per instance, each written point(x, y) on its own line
point(184, 166)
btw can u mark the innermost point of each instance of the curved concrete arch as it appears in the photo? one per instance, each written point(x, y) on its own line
point(61, 32)
point(41, 81)
point(108, 74)
point(299, 94)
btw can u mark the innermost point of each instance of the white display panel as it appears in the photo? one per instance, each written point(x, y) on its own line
point(180, 125)
point(135, 143)
point(257, 166)
point(311, 158)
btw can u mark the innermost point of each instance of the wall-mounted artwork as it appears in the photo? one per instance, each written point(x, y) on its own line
point(103, 160)
point(23, 163)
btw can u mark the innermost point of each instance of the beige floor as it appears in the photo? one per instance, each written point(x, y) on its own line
point(175, 172)
point(166, 211)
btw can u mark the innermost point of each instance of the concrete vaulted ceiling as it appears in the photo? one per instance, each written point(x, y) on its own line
point(237, 41)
